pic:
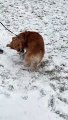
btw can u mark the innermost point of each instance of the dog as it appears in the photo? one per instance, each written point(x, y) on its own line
point(33, 43)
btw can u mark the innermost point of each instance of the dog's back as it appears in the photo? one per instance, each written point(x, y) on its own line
point(33, 41)
point(35, 48)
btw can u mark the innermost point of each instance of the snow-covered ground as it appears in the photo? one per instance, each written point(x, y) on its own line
point(42, 95)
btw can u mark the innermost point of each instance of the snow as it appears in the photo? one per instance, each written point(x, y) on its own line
point(26, 95)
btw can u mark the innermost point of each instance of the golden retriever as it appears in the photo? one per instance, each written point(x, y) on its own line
point(33, 43)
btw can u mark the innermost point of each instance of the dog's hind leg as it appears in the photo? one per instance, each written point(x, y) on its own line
point(33, 66)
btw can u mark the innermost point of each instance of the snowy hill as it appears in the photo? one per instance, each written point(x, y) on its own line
point(41, 95)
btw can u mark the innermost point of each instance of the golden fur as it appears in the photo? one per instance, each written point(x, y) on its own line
point(33, 43)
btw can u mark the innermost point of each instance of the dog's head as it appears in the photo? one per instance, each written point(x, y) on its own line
point(16, 44)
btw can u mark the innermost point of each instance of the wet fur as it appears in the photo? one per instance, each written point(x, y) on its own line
point(33, 43)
